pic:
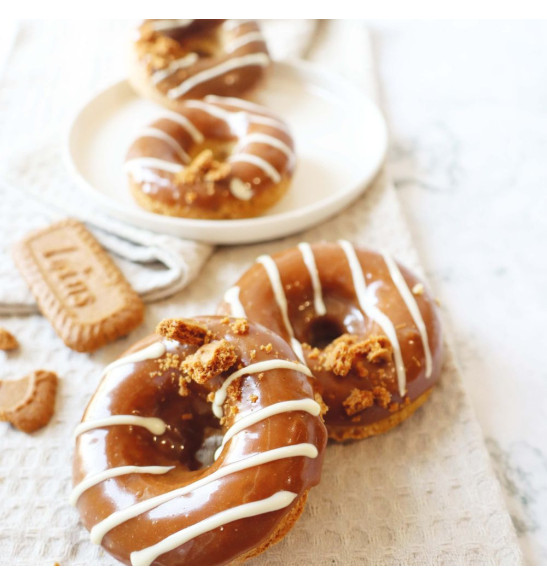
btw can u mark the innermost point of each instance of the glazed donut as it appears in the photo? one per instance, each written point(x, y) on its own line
point(218, 158)
point(173, 60)
point(199, 446)
point(365, 326)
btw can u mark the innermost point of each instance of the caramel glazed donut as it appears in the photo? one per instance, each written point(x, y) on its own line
point(365, 326)
point(218, 158)
point(199, 445)
point(172, 60)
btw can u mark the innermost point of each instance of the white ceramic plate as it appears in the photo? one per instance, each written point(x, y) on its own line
point(340, 138)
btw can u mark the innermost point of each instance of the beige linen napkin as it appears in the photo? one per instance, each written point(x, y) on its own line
point(422, 494)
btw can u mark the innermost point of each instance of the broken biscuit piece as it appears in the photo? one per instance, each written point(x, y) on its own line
point(209, 361)
point(28, 403)
point(7, 340)
point(183, 331)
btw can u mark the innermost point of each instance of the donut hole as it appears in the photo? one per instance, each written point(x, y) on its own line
point(192, 432)
point(324, 330)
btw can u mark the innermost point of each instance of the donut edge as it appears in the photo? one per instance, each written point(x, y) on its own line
point(341, 434)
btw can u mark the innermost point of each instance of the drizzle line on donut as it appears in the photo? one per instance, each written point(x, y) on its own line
point(281, 300)
point(373, 312)
point(186, 61)
point(309, 261)
point(260, 59)
point(275, 502)
point(231, 296)
point(306, 405)
point(153, 351)
point(413, 309)
point(246, 39)
point(226, 115)
point(151, 423)
point(97, 478)
point(265, 366)
point(152, 132)
point(166, 24)
point(119, 517)
point(135, 164)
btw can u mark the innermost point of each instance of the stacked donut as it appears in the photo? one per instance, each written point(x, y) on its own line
point(202, 441)
point(211, 154)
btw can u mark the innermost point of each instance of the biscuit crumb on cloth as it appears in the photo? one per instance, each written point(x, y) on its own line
point(7, 340)
point(28, 403)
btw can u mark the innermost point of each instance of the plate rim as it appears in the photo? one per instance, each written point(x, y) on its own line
point(322, 209)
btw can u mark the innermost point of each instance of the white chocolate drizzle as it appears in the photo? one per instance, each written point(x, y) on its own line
point(275, 502)
point(151, 132)
point(101, 476)
point(120, 516)
point(174, 66)
point(231, 296)
point(309, 261)
point(305, 404)
point(246, 39)
point(257, 161)
point(240, 189)
point(136, 164)
point(237, 103)
point(153, 424)
point(260, 59)
point(370, 309)
point(235, 23)
point(183, 121)
point(153, 351)
point(261, 138)
point(167, 24)
point(277, 286)
point(263, 118)
point(413, 309)
point(259, 367)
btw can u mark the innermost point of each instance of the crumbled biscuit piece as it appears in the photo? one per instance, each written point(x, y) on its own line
point(322, 404)
point(204, 168)
point(375, 349)
point(183, 331)
point(209, 361)
point(267, 348)
point(7, 340)
point(359, 400)
point(240, 326)
point(382, 397)
point(338, 356)
point(344, 352)
point(225, 320)
point(253, 398)
point(418, 289)
point(252, 353)
point(183, 386)
point(28, 403)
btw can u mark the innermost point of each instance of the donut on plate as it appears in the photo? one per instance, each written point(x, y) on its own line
point(366, 327)
point(199, 446)
point(173, 60)
point(217, 158)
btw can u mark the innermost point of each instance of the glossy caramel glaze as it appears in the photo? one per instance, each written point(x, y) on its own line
point(225, 159)
point(381, 393)
point(176, 60)
point(151, 388)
